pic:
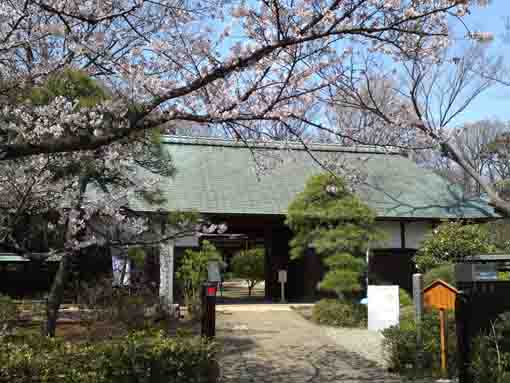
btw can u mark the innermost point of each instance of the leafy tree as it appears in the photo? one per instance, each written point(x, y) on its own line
point(249, 265)
point(445, 272)
point(193, 273)
point(74, 85)
point(453, 241)
point(329, 218)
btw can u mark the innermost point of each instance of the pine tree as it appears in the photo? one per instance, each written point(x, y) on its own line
point(333, 221)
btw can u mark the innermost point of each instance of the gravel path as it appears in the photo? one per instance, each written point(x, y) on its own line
point(365, 343)
point(283, 347)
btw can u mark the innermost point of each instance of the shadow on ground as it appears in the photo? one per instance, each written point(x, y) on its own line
point(323, 365)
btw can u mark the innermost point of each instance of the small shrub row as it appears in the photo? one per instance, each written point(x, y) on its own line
point(137, 358)
point(401, 349)
point(404, 298)
point(491, 352)
point(8, 314)
point(334, 312)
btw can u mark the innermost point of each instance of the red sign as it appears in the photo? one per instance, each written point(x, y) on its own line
point(211, 291)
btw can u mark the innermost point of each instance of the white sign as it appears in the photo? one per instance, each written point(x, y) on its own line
point(282, 276)
point(383, 307)
point(213, 271)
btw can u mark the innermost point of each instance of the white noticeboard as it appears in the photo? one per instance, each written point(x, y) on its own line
point(383, 307)
point(213, 272)
point(282, 276)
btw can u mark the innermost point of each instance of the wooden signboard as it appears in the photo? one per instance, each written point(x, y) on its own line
point(440, 295)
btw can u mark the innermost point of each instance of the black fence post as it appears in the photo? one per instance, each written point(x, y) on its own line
point(209, 310)
point(462, 318)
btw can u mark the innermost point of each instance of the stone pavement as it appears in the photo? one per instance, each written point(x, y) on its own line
point(280, 346)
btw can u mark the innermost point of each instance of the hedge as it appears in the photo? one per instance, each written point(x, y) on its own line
point(137, 358)
point(401, 349)
point(334, 312)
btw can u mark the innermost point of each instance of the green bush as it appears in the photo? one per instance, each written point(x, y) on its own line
point(8, 314)
point(138, 358)
point(488, 364)
point(401, 349)
point(491, 352)
point(128, 308)
point(443, 272)
point(192, 273)
point(452, 241)
point(333, 312)
point(404, 298)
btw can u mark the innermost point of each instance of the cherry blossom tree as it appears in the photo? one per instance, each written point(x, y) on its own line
point(82, 199)
point(247, 68)
point(207, 62)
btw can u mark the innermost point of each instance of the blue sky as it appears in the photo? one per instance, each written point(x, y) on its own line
point(496, 102)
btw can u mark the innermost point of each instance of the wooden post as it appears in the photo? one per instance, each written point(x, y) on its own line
point(442, 321)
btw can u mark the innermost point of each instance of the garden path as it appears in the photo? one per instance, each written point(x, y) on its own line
point(280, 346)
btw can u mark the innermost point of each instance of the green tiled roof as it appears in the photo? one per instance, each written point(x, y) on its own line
point(10, 257)
point(221, 177)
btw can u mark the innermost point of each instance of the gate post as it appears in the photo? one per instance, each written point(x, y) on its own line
point(418, 314)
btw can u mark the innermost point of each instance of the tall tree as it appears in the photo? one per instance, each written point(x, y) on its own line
point(249, 265)
point(78, 199)
point(434, 94)
point(328, 218)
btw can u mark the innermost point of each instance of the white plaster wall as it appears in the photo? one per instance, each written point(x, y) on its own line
point(391, 229)
point(416, 232)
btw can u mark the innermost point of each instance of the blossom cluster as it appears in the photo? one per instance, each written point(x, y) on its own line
point(240, 66)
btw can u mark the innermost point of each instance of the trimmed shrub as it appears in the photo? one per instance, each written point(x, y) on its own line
point(138, 358)
point(333, 312)
point(401, 349)
point(404, 298)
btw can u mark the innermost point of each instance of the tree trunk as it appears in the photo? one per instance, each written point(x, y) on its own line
point(250, 287)
point(56, 296)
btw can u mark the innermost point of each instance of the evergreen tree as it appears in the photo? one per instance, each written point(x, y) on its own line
point(329, 218)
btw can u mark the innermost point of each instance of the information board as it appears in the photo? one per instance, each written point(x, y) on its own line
point(282, 276)
point(213, 272)
point(383, 307)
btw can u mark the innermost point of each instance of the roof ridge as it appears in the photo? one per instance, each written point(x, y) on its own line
point(293, 145)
